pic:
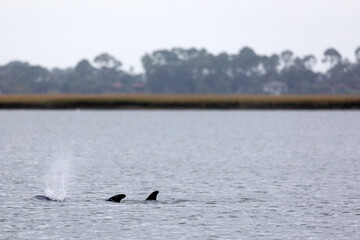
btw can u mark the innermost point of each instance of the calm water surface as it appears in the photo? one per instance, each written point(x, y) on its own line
point(221, 174)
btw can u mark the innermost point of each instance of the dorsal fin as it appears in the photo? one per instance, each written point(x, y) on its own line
point(116, 198)
point(153, 195)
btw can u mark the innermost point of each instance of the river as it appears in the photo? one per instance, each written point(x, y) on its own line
point(220, 174)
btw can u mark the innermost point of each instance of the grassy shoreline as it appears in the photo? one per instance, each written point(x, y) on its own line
point(159, 101)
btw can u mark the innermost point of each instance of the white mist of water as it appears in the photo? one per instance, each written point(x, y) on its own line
point(57, 178)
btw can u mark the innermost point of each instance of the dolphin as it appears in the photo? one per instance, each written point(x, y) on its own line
point(152, 196)
point(116, 198)
point(46, 198)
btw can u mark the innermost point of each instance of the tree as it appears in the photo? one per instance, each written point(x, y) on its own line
point(299, 76)
point(246, 61)
point(21, 77)
point(287, 58)
point(270, 64)
point(191, 70)
point(84, 67)
point(357, 54)
point(245, 69)
point(105, 60)
point(309, 61)
point(161, 71)
point(332, 56)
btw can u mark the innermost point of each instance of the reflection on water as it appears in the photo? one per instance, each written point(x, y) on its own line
point(221, 174)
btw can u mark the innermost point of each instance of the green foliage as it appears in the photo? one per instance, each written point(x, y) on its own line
point(191, 71)
point(20, 77)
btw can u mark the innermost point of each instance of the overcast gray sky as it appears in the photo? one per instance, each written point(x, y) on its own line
point(62, 32)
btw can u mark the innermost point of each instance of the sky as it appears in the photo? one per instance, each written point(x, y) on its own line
point(60, 33)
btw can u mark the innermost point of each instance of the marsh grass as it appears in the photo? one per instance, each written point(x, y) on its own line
point(151, 101)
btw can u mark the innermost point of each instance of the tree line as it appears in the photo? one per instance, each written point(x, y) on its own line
point(188, 71)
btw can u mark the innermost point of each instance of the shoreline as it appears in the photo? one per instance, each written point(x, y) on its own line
point(180, 102)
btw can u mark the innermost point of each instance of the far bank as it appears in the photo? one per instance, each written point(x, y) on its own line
point(160, 101)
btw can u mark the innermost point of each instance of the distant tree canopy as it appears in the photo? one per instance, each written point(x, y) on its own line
point(189, 71)
point(198, 71)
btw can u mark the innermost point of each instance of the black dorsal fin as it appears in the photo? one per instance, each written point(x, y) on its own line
point(116, 198)
point(153, 195)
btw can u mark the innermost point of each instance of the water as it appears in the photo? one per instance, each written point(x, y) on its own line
point(221, 174)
